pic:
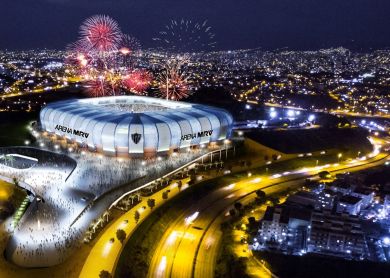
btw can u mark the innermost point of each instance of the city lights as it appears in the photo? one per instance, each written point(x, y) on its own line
point(203, 147)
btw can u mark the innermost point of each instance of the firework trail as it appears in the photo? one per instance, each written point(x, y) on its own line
point(173, 81)
point(186, 36)
point(129, 45)
point(129, 49)
point(97, 87)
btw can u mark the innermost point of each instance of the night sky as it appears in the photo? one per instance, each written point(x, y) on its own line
point(269, 24)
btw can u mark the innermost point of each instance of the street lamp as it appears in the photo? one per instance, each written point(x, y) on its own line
point(226, 142)
point(339, 156)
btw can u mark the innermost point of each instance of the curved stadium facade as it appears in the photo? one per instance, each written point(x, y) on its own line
point(135, 125)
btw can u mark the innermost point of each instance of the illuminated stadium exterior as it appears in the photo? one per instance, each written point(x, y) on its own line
point(135, 125)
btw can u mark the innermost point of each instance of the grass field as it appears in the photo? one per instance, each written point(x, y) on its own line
point(11, 197)
point(11, 193)
point(6, 190)
point(13, 128)
point(15, 134)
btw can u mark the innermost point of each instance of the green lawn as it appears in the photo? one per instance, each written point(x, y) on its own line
point(13, 126)
point(11, 198)
point(15, 134)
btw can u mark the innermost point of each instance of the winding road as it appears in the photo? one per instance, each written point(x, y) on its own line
point(190, 249)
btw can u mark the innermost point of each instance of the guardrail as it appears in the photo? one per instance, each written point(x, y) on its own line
point(202, 157)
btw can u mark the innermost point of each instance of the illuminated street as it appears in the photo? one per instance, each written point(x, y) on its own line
point(200, 139)
point(188, 251)
point(73, 191)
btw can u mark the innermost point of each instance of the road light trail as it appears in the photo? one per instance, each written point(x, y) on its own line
point(187, 256)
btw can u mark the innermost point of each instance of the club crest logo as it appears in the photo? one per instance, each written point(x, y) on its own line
point(136, 137)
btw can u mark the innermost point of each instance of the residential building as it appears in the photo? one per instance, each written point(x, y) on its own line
point(366, 195)
point(337, 234)
point(349, 204)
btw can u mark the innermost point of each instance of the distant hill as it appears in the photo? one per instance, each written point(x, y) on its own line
point(311, 140)
point(217, 97)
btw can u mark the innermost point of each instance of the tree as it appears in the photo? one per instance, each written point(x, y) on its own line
point(151, 203)
point(15, 181)
point(10, 159)
point(179, 185)
point(238, 206)
point(274, 200)
point(252, 223)
point(261, 197)
point(137, 215)
point(105, 274)
point(260, 194)
point(238, 267)
point(324, 175)
point(121, 235)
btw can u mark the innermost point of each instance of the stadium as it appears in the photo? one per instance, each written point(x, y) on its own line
point(135, 126)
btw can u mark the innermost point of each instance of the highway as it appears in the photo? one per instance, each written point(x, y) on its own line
point(190, 249)
point(105, 253)
point(333, 111)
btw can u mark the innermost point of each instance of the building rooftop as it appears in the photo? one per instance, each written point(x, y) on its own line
point(287, 213)
point(363, 191)
point(351, 200)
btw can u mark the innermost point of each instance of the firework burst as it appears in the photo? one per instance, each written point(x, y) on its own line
point(103, 56)
point(128, 50)
point(129, 45)
point(100, 33)
point(75, 56)
point(97, 87)
point(186, 36)
point(173, 81)
point(138, 81)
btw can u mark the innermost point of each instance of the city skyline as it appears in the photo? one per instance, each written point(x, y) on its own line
point(146, 138)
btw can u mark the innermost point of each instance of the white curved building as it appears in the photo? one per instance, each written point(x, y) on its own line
point(135, 125)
